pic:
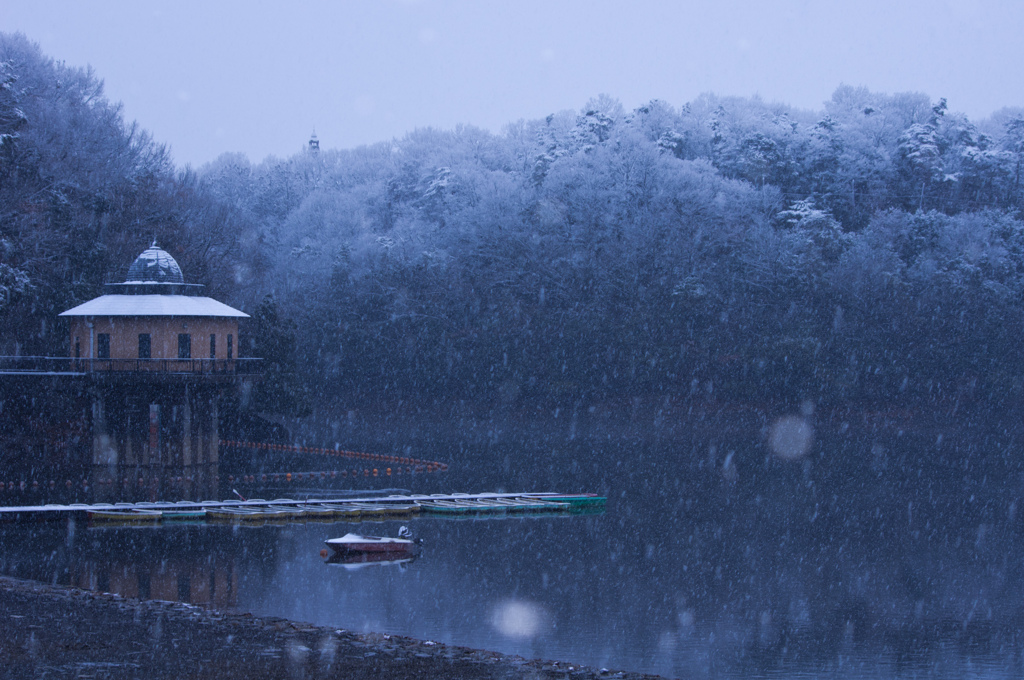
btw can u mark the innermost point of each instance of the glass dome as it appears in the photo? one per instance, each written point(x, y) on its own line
point(154, 265)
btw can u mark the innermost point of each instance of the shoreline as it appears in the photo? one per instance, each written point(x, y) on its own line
point(62, 632)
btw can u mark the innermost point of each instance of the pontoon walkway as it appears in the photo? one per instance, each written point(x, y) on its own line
point(378, 507)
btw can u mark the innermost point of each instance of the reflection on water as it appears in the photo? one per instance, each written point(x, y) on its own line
point(160, 563)
point(175, 580)
point(353, 561)
point(870, 553)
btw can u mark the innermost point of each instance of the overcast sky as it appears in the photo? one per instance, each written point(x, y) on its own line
point(211, 76)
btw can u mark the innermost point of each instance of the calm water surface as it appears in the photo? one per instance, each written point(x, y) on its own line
point(880, 551)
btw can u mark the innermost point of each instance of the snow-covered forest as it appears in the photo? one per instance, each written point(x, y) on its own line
point(725, 248)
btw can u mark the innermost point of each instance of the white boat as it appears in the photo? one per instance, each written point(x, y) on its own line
point(359, 543)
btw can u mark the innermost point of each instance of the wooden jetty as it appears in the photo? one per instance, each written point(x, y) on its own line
point(288, 509)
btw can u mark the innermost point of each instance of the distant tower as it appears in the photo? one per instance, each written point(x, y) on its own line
point(314, 143)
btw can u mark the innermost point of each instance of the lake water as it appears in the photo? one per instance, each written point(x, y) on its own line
point(852, 544)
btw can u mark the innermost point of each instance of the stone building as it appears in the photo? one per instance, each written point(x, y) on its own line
point(154, 321)
point(157, 357)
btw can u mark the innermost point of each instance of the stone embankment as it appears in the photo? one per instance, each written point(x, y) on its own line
point(52, 632)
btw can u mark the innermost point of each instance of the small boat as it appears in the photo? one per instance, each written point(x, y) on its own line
point(444, 507)
point(359, 543)
point(127, 516)
point(278, 511)
point(574, 499)
point(522, 504)
point(184, 514)
point(184, 511)
point(342, 510)
point(234, 515)
point(399, 508)
point(482, 506)
point(319, 512)
point(369, 509)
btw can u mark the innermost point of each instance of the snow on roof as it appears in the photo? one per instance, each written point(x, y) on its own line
point(153, 305)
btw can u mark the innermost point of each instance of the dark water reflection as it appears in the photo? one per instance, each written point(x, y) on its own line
point(885, 551)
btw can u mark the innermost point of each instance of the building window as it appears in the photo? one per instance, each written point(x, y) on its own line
point(230, 347)
point(103, 346)
point(78, 348)
point(213, 346)
point(145, 346)
point(184, 346)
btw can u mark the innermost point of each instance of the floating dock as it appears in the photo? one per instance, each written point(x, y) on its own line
point(328, 509)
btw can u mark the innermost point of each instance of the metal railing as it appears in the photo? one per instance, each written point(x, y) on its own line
point(62, 365)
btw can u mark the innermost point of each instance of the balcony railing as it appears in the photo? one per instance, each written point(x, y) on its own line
point(71, 365)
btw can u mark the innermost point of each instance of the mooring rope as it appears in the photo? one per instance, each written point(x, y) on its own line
point(398, 465)
point(412, 464)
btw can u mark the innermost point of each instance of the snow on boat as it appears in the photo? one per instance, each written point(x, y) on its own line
point(359, 543)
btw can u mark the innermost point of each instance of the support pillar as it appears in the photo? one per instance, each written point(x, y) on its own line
point(186, 430)
point(129, 451)
point(153, 450)
point(104, 447)
point(214, 432)
point(104, 451)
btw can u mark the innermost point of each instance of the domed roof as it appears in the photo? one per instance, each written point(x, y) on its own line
point(154, 265)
